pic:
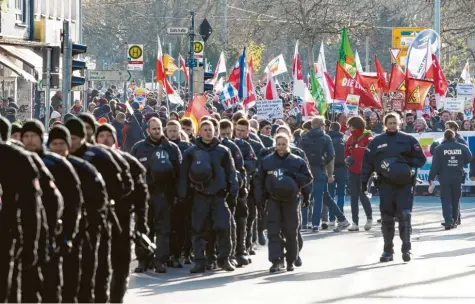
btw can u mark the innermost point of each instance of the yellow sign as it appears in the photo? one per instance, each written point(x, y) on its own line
point(402, 39)
point(198, 47)
point(135, 52)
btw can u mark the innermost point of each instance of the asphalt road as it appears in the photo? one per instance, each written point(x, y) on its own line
point(340, 268)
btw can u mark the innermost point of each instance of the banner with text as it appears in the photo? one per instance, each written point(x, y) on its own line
point(269, 109)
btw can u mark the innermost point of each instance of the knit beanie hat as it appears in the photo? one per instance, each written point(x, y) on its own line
point(76, 127)
point(107, 128)
point(59, 132)
point(89, 119)
point(33, 126)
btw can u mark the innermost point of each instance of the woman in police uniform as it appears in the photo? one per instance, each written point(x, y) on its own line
point(394, 156)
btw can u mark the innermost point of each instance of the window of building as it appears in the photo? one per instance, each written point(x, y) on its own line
point(20, 10)
point(74, 9)
point(52, 8)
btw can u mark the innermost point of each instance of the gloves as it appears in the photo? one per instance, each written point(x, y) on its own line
point(364, 187)
point(305, 203)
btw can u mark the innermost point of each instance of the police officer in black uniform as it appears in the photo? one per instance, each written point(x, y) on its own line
point(394, 156)
point(180, 238)
point(67, 226)
point(111, 172)
point(94, 211)
point(238, 208)
point(448, 163)
point(255, 224)
point(20, 218)
point(162, 160)
point(208, 169)
point(279, 180)
point(136, 202)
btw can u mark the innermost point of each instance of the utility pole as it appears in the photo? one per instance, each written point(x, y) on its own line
point(367, 54)
point(191, 53)
point(126, 63)
point(48, 87)
point(66, 68)
point(437, 22)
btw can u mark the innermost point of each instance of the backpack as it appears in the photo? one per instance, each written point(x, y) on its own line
point(313, 148)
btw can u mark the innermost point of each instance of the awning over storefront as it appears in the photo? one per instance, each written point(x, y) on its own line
point(24, 54)
point(12, 66)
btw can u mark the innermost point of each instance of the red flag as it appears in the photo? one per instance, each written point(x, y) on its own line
point(380, 73)
point(309, 109)
point(435, 72)
point(185, 69)
point(196, 110)
point(345, 85)
point(371, 85)
point(160, 69)
point(250, 101)
point(331, 85)
point(397, 83)
point(416, 92)
point(271, 89)
point(235, 76)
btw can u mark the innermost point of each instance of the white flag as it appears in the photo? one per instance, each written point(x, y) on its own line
point(466, 73)
point(428, 59)
point(321, 59)
point(277, 66)
point(220, 68)
point(218, 87)
point(359, 67)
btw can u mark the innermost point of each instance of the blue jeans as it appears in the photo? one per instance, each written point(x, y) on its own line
point(338, 186)
point(319, 187)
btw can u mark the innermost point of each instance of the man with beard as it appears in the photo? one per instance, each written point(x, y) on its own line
point(162, 160)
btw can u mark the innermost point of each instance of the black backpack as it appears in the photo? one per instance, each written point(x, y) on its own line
point(313, 148)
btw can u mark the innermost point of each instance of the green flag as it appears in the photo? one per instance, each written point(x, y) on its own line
point(318, 94)
point(347, 57)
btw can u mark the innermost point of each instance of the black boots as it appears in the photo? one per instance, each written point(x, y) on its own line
point(386, 257)
point(275, 267)
point(226, 265)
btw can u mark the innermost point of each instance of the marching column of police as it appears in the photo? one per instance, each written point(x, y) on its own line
point(66, 214)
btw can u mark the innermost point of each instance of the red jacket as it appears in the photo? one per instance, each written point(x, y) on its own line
point(357, 149)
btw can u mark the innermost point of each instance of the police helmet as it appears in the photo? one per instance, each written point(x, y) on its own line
point(396, 170)
point(201, 170)
point(282, 187)
point(161, 167)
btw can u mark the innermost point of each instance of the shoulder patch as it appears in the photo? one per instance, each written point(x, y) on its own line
point(417, 147)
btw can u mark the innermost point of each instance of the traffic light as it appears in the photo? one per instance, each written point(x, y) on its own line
point(54, 66)
point(77, 65)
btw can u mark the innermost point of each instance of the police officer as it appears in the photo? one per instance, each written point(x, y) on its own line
point(237, 207)
point(20, 219)
point(242, 209)
point(66, 228)
point(136, 201)
point(255, 224)
point(279, 179)
point(448, 163)
point(394, 156)
point(180, 238)
point(90, 123)
point(449, 125)
point(111, 172)
point(264, 131)
point(162, 160)
point(94, 212)
point(208, 168)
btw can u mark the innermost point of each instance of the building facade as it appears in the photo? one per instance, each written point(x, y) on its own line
point(26, 28)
